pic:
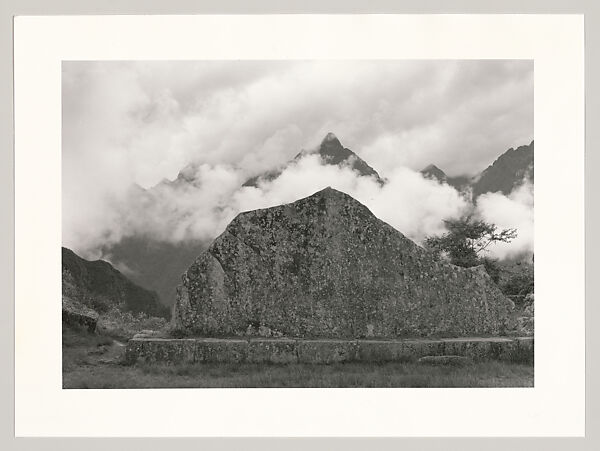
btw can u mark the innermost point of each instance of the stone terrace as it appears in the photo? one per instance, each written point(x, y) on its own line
point(286, 350)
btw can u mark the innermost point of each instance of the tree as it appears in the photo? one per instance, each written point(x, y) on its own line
point(466, 242)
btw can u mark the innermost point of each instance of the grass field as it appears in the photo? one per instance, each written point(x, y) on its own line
point(490, 374)
point(94, 361)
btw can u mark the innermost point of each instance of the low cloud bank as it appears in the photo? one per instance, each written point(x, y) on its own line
point(513, 211)
point(408, 202)
point(127, 123)
point(200, 207)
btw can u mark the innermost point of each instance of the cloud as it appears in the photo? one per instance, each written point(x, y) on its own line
point(410, 203)
point(128, 123)
point(514, 211)
point(201, 207)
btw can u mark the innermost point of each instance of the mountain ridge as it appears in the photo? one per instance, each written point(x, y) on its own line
point(103, 286)
point(506, 173)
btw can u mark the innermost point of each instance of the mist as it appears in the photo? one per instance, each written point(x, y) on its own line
point(514, 211)
point(130, 127)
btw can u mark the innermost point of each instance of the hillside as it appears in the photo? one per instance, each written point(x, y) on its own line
point(99, 285)
point(503, 175)
point(506, 172)
point(157, 265)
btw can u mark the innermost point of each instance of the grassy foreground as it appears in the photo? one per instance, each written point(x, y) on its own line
point(392, 374)
point(94, 361)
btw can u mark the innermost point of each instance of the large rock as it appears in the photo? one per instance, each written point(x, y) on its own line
point(75, 313)
point(325, 266)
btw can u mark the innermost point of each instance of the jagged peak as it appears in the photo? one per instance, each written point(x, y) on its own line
point(330, 194)
point(330, 137)
point(433, 170)
point(327, 191)
point(330, 141)
point(431, 167)
point(331, 152)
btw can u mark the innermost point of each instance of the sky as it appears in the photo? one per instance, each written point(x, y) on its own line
point(127, 126)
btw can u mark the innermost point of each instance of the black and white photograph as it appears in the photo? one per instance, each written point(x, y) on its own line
point(297, 223)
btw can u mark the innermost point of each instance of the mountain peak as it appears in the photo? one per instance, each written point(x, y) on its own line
point(432, 171)
point(332, 153)
point(431, 167)
point(506, 172)
point(328, 192)
point(330, 143)
point(329, 137)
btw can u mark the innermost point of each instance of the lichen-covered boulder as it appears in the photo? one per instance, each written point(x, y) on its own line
point(325, 266)
point(75, 313)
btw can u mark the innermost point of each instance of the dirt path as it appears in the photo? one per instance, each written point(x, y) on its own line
point(107, 354)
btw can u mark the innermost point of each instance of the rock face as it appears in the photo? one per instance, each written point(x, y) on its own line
point(75, 313)
point(325, 266)
point(525, 322)
point(507, 172)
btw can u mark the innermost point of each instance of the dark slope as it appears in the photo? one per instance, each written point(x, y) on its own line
point(99, 279)
point(506, 172)
point(504, 175)
point(435, 173)
point(157, 265)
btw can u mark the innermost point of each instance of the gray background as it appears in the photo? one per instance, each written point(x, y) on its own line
point(10, 8)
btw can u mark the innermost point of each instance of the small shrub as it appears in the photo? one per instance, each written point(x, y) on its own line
point(519, 285)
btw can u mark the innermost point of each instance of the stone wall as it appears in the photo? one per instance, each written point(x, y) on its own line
point(211, 350)
point(325, 266)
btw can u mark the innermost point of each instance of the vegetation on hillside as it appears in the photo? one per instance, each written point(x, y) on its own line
point(517, 280)
point(466, 243)
point(506, 172)
point(99, 285)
